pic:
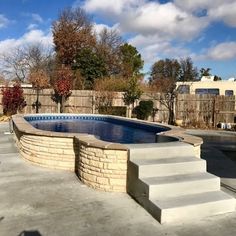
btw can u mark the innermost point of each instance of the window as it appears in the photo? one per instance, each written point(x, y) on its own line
point(213, 91)
point(183, 89)
point(229, 92)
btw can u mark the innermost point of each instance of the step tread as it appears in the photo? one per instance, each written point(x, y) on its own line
point(178, 178)
point(193, 199)
point(146, 161)
point(152, 146)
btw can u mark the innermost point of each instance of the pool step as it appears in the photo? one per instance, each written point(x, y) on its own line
point(191, 207)
point(167, 166)
point(160, 150)
point(176, 187)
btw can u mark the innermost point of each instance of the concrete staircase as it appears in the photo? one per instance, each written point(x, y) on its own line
point(173, 185)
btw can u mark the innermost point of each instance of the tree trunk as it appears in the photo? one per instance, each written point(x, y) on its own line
point(37, 101)
point(171, 113)
point(128, 111)
point(62, 103)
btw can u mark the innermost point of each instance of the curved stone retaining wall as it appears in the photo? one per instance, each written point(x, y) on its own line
point(103, 169)
point(52, 152)
point(99, 164)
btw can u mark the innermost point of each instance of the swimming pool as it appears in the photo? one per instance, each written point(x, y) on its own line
point(99, 164)
point(105, 128)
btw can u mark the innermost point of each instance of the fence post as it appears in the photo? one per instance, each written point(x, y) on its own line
point(213, 111)
point(93, 104)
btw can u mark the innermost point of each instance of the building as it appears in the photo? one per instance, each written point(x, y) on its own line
point(207, 85)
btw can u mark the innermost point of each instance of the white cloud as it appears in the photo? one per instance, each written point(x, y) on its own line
point(35, 36)
point(32, 26)
point(165, 20)
point(34, 17)
point(3, 21)
point(153, 47)
point(99, 27)
point(31, 37)
point(222, 51)
point(217, 10)
point(194, 5)
point(148, 17)
point(225, 12)
point(37, 18)
point(111, 7)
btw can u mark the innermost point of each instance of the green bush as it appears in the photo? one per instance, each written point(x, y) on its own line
point(144, 109)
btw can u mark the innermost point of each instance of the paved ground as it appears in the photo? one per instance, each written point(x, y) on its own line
point(219, 150)
point(36, 201)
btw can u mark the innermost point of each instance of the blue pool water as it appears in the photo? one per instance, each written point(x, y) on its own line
point(107, 129)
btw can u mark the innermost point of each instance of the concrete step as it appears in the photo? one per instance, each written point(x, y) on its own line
point(165, 167)
point(191, 206)
point(177, 185)
point(160, 150)
point(173, 185)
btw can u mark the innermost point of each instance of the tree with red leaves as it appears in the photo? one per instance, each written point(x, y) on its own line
point(62, 86)
point(13, 99)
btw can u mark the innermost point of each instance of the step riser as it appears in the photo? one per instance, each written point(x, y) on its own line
point(183, 188)
point(188, 212)
point(137, 188)
point(197, 211)
point(171, 169)
point(167, 152)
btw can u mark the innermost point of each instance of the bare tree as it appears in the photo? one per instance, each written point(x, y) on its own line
point(2, 79)
point(14, 65)
point(19, 62)
point(106, 90)
point(188, 71)
point(164, 76)
point(108, 47)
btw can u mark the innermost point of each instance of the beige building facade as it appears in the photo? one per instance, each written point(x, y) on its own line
point(222, 87)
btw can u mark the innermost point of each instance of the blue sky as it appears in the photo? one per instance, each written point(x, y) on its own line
point(205, 30)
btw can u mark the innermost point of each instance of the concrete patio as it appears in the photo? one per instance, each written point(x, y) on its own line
point(40, 201)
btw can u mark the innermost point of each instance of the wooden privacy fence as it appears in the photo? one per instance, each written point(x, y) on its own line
point(80, 101)
point(194, 110)
point(208, 110)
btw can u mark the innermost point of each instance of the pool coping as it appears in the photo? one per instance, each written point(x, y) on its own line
point(90, 140)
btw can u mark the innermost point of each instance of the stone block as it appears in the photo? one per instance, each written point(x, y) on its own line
point(89, 177)
point(117, 182)
point(96, 164)
point(117, 166)
point(102, 180)
point(110, 152)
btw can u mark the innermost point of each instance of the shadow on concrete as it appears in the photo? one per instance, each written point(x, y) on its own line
point(30, 233)
point(218, 163)
point(77, 156)
point(214, 151)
